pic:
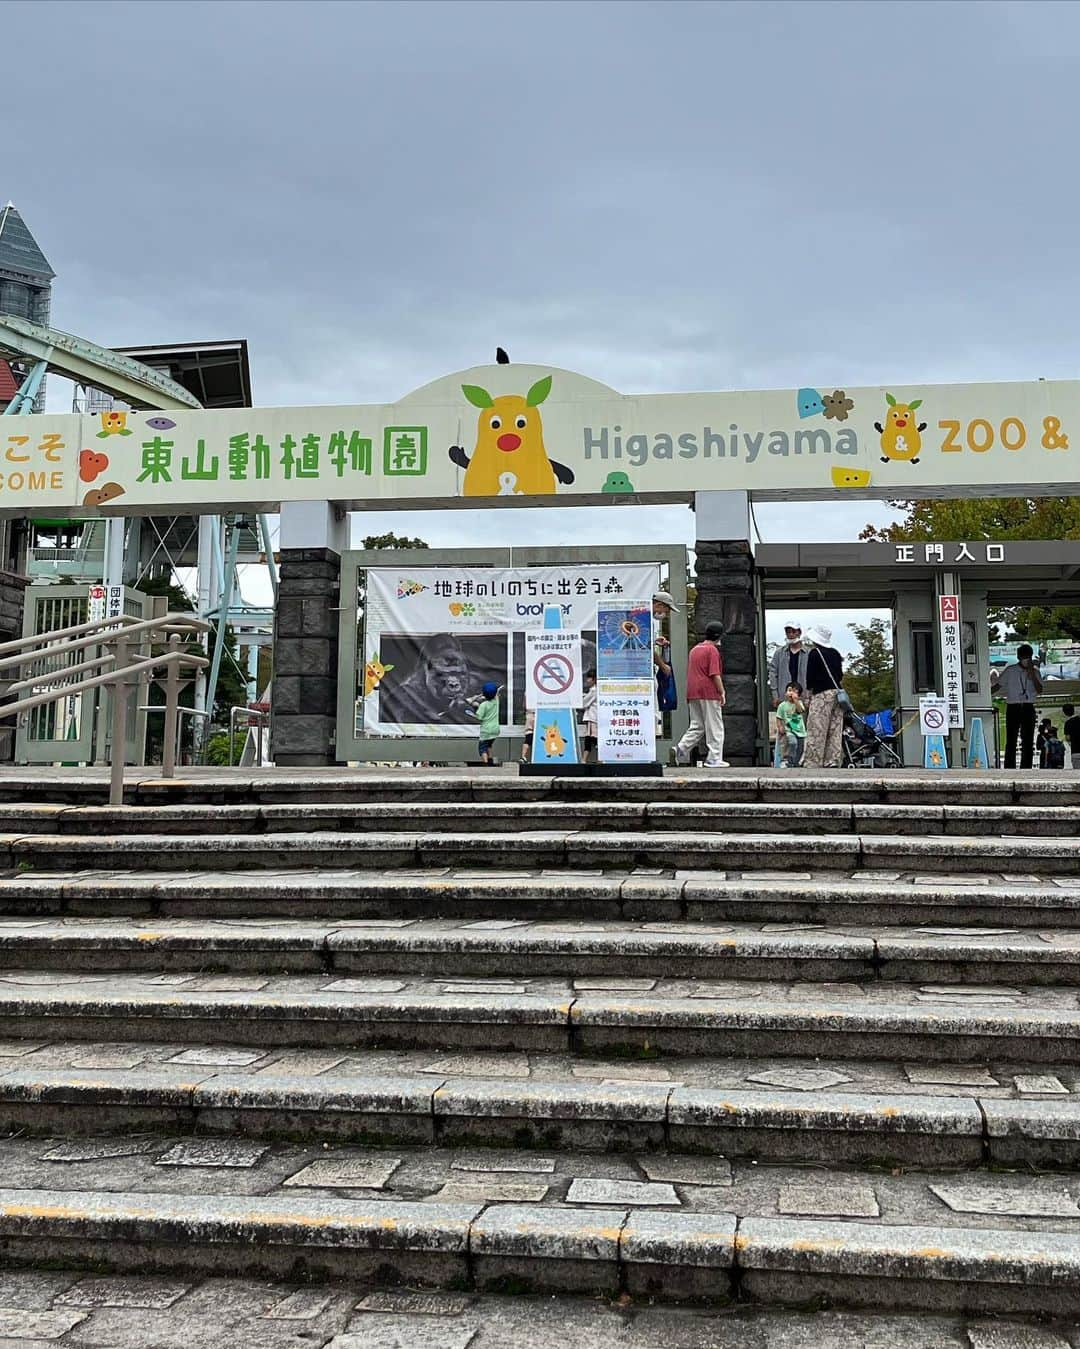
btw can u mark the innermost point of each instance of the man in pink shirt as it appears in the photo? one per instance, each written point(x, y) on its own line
point(706, 697)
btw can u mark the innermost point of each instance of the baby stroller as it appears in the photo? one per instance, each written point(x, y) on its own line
point(866, 740)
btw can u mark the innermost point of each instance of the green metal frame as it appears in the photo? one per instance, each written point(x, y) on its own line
point(352, 748)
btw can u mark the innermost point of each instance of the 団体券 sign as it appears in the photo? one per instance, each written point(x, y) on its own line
point(952, 658)
point(933, 714)
point(104, 602)
point(553, 669)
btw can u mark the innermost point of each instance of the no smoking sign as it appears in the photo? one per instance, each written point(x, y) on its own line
point(553, 669)
point(553, 674)
point(933, 714)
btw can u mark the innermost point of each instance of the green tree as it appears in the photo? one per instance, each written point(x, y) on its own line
point(391, 540)
point(382, 541)
point(995, 518)
point(870, 677)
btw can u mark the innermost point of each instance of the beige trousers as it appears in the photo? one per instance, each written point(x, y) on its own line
point(824, 731)
point(706, 723)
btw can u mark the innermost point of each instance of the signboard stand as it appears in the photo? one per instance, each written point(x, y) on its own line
point(934, 723)
point(625, 683)
point(553, 671)
point(976, 755)
point(934, 755)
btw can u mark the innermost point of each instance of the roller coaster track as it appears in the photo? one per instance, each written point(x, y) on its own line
point(86, 363)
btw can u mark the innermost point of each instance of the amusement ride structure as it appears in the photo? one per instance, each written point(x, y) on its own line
point(201, 555)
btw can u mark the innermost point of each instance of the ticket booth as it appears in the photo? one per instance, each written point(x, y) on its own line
point(941, 596)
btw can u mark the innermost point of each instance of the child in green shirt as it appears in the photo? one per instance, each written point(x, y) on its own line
point(791, 719)
point(487, 711)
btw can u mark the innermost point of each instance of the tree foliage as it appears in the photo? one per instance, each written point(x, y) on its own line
point(995, 518)
point(391, 540)
point(870, 676)
point(375, 542)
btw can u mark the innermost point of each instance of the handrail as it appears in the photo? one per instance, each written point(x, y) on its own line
point(20, 642)
point(129, 670)
point(111, 676)
point(262, 719)
point(167, 624)
point(66, 672)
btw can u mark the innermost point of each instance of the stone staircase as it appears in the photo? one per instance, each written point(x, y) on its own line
point(408, 1054)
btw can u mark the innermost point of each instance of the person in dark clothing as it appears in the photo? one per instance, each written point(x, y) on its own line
point(825, 722)
point(1020, 685)
point(1071, 732)
point(1042, 739)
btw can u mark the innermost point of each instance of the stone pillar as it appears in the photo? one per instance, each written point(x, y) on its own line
point(304, 692)
point(725, 593)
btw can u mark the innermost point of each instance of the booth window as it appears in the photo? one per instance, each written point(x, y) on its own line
point(922, 651)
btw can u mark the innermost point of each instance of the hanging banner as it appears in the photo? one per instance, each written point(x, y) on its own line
point(553, 669)
point(433, 636)
point(535, 434)
point(952, 658)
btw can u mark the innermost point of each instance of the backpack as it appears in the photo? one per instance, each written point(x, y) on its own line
point(667, 696)
point(1055, 753)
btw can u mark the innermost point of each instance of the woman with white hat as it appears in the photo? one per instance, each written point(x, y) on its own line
point(825, 720)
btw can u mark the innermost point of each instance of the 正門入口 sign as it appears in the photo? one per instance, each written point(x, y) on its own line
point(527, 434)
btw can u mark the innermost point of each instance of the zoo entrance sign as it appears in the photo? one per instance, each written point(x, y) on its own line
point(527, 434)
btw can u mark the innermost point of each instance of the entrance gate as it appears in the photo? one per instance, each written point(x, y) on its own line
point(354, 745)
point(910, 579)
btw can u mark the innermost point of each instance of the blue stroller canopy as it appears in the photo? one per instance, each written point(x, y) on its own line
point(881, 723)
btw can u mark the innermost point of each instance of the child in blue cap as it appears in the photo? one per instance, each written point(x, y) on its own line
point(487, 710)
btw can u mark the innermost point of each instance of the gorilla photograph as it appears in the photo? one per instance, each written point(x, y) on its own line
point(436, 679)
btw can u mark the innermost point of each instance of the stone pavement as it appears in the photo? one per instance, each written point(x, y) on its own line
point(57, 1308)
point(278, 1053)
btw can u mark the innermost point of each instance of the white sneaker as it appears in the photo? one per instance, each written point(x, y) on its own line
point(716, 763)
point(682, 758)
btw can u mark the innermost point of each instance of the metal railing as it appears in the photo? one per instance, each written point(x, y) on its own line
point(257, 720)
point(120, 640)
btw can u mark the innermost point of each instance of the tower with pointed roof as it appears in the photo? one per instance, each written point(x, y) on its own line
point(25, 281)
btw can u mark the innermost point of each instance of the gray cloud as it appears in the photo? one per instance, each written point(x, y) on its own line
point(661, 195)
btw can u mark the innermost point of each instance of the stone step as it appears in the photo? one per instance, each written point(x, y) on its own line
point(650, 1227)
point(633, 954)
point(951, 902)
point(648, 816)
point(677, 1017)
point(124, 1311)
point(550, 849)
point(376, 784)
point(845, 1112)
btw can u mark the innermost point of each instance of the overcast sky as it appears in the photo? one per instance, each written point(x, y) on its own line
point(664, 196)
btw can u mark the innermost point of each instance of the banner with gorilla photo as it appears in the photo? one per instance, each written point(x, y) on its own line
point(432, 637)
